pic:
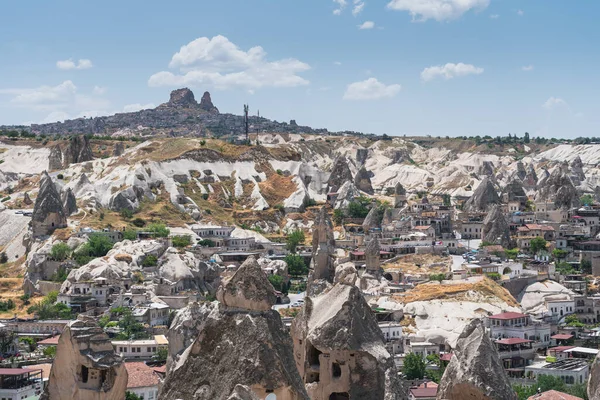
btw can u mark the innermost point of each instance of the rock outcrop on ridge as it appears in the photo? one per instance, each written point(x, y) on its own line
point(558, 188)
point(55, 160)
point(484, 197)
point(339, 348)
point(577, 174)
point(323, 247)
point(86, 366)
point(69, 202)
point(340, 174)
point(362, 180)
point(206, 103)
point(346, 194)
point(78, 151)
point(239, 342)
point(475, 371)
point(531, 179)
point(495, 228)
point(48, 213)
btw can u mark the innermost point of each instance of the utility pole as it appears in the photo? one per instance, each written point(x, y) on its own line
point(246, 122)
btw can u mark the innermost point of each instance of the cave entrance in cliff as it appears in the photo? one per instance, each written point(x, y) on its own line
point(339, 396)
point(388, 276)
point(313, 356)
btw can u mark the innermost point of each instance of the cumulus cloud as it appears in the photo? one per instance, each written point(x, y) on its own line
point(70, 64)
point(449, 71)
point(495, 16)
point(367, 25)
point(370, 89)
point(58, 102)
point(337, 63)
point(440, 10)
point(341, 5)
point(99, 90)
point(555, 102)
point(527, 68)
point(358, 7)
point(137, 107)
point(220, 63)
point(520, 13)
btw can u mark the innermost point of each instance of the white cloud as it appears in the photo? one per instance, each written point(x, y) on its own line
point(440, 10)
point(495, 16)
point(137, 107)
point(371, 89)
point(98, 90)
point(554, 102)
point(450, 71)
point(358, 7)
point(58, 102)
point(220, 63)
point(520, 13)
point(337, 63)
point(70, 64)
point(527, 68)
point(367, 25)
point(341, 5)
point(337, 11)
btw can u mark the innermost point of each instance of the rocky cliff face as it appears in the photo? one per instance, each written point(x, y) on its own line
point(484, 197)
point(69, 202)
point(475, 371)
point(495, 228)
point(241, 341)
point(181, 98)
point(323, 246)
point(362, 181)
point(338, 346)
point(48, 213)
point(558, 188)
point(593, 388)
point(340, 174)
point(206, 104)
point(55, 160)
point(86, 366)
point(78, 151)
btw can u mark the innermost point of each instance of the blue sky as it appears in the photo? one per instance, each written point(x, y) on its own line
point(439, 67)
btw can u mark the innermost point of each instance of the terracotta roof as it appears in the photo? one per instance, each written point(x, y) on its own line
point(508, 315)
point(420, 393)
point(422, 228)
point(512, 340)
point(561, 336)
point(52, 341)
point(553, 395)
point(140, 375)
point(533, 226)
point(560, 349)
point(446, 357)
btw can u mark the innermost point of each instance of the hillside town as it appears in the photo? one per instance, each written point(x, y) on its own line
point(192, 278)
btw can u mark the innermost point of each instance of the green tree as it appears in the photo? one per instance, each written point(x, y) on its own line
point(3, 258)
point(559, 254)
point(130, 234)
point(587, 199)
point(206, 243)
point(60, 251)
point(181, 240)
point(296, 265)
point(159, 230)
point(161, 354)
point(537, 244)
point(437, 277)
point(50, 351)
point(526, 137)
point(99, 244)
point(414, 366)
point(131, 329)
point(294, 239)
point(150, 261)
point(104, 320)
point(338, 216)
point(276, 281)
point(356, 209)
point(7, 338)
point(30, 342)
point(132, 396)
point(511, 253)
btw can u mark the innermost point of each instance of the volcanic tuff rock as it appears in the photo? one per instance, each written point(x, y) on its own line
point(338, 348)
point(26, 199)
point(346, 194)
point(514, 191)
point(181, 98)
point(577, 174)
point(207, 105)
point(475, 371)
point(521, 172)
point(69, 202)
point(340, 174)
point(249, 341)
point(241, 392)
point(531, 179)
point(361, 156)
point(119, 149)
point(48, 212)
point(483, 198)
point(86, 366)
point(78, 151)
point(346, 273)
point(558, 188)
point(248, 289)
point(55, 160)
point(373, 219)
point(593, 388)
point(487, 169)
point(323, 246)
point(362, 180)
point(495, 228)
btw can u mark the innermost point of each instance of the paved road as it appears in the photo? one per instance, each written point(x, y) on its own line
point(293, 298)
